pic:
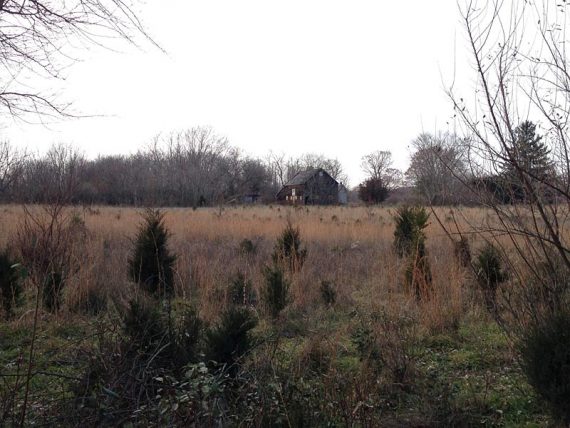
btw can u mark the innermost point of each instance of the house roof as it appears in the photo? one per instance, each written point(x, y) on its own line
point(302, 177)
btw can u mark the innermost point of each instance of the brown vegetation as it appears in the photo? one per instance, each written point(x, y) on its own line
point(358, 354)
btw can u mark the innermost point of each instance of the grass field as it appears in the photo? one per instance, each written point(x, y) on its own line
point(376, 357)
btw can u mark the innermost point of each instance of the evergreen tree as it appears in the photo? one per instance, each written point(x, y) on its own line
point(10, 288)
point(373, 191)
point(529, 155)
point(287, 252)
point(151, 265)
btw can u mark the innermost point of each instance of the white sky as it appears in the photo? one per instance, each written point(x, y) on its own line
point(337, 77)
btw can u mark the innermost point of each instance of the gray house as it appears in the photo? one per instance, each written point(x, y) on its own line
point(310, 187)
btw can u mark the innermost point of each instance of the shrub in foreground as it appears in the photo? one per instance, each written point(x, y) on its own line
point(409, 240)
point(288, 252)
point(328, 293)
point(490, 274)
point(409, 231)
point(227, 342)
point(276, 291)
point(241, 291)
point(10, 287)
point(546, 362)
point(151, 264)
point(52, 291)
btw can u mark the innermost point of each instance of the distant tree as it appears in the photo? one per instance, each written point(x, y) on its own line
point(382, 178)
point(527, 162)
point(377, 164)
point(12, 163)
point(286, 168)
point(437, 167)
point(373, 191)
point(330, 165)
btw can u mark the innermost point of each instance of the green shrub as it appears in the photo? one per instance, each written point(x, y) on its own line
point(490, 274)
point(276, 291)
point(316, 356)
point(546, 362)
point(287, 251)
point(94, 303)
point(227, 342)
point(365, 343)
point(10, 287)
point(188, 332)
point(143, 325)
point(52, 291)
point(151, 265)
point(409, 232)
point(409, 240)
point(328, 293)
point(241, 291)
point(247, 247)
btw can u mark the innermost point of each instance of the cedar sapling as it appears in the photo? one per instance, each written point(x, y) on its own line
point(10, 287)
point(287, 251)
point(151, 264)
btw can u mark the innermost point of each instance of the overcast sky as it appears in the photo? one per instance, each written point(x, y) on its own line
point(342, 78)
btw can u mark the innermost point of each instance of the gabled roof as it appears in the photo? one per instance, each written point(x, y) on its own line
point(303, 176)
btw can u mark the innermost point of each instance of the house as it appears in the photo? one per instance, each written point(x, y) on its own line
point(310, 187)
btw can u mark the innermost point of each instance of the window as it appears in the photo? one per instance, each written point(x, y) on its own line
point(293, 192)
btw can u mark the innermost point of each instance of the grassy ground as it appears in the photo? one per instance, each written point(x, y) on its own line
point(376, 357)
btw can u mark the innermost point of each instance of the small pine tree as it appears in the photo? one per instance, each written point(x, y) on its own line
point(328, 293)
point(143, 325)
point(409, 232)
point(52, 291)
point(151, 265)
point(10, 288)
point(287, 251)
point(409, 240)
point(490, 274)
point(241, 291)
point(546, 362)
point(230, 339)
point(276, 291)
point(187, 335)
point(529, 154)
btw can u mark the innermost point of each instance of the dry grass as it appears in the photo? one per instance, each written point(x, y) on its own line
point(349, 246)
point(422, 346)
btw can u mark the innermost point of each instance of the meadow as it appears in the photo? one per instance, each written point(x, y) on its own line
point(374, 355)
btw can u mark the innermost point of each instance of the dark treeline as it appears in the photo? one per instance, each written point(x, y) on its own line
point(189, 168)
point(198, 168)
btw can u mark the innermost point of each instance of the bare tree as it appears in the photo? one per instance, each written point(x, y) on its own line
point(520, 56)
point(437, 168)
point(377, 164)
point(39, 38)
point(331, 165)
point(11, 167)
point(382, 177)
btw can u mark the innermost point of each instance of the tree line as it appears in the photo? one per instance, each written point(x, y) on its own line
point(199, 168)
point(189, 168)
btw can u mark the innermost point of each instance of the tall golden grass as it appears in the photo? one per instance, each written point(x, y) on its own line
point(349, 246)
